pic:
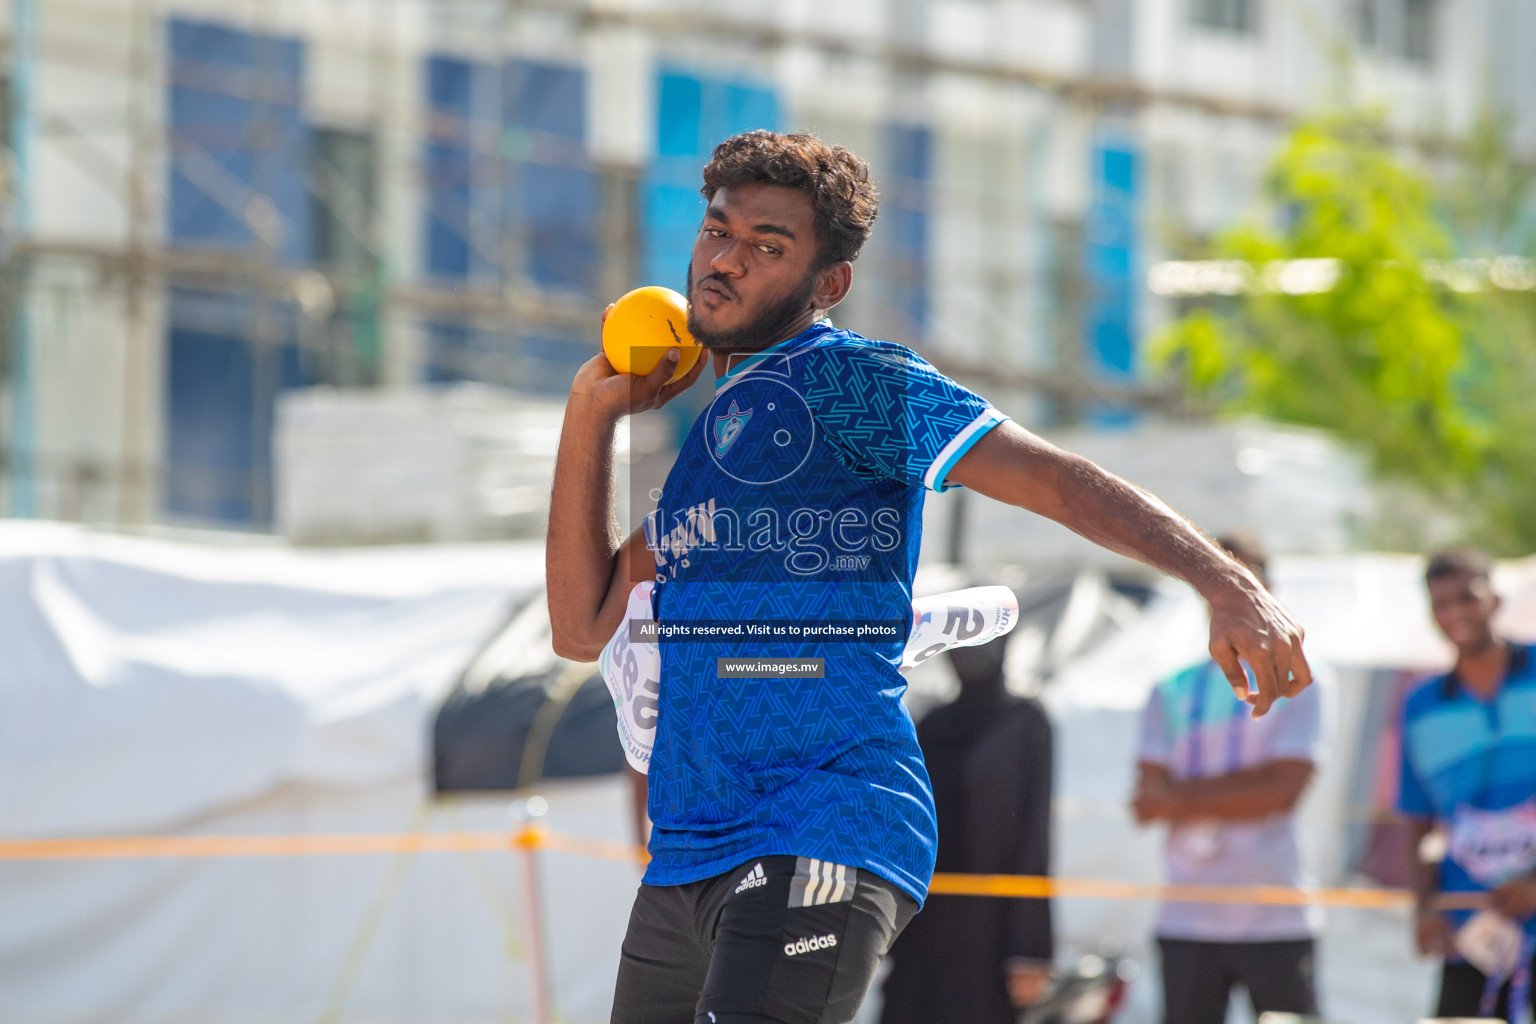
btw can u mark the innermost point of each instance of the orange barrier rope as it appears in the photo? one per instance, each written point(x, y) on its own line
point(134, 847)
point(537, 838)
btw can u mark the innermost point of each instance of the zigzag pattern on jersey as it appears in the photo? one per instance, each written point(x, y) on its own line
point(821, 481)
point(748, 736)
point(888, 408)
point(826, 768)
point(823, 814)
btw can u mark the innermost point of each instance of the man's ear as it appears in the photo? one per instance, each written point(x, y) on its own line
point(832, 284)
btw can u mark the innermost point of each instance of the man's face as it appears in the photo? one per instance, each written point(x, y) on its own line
point(1463, 606)
point(751, 277)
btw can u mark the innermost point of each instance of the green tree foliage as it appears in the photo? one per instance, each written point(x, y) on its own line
point(1436, 379)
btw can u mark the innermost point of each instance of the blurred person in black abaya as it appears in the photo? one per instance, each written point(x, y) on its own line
point(978, 959)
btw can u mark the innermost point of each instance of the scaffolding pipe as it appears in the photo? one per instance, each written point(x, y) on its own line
point(23, 389)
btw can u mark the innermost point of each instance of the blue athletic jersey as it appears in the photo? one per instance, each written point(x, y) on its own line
point(797, 499)
point(1470, 764)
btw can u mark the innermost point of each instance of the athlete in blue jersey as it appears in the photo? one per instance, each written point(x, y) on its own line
point(793, 821)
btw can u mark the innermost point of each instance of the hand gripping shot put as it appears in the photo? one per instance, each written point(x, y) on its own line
point(793, 821)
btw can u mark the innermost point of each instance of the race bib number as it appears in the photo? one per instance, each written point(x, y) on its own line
point(1494, 846)
point(632, 671)
point(1491, 943)
point(960, 618)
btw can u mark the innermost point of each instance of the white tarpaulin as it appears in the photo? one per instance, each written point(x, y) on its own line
point(147, 683)
point(159, 688)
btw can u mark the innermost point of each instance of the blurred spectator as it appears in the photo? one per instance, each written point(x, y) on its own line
point(972, 959)
point(1228, 785)
point(1469, 766)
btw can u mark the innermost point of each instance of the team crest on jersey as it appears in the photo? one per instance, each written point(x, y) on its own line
point(728, 427)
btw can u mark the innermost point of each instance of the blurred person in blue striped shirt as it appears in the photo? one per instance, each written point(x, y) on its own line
point(1469, 771)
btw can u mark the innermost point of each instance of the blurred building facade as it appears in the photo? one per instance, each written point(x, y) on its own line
point(209, 204)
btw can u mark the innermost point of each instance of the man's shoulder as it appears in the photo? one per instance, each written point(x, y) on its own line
point(850, 370)
point(1425, 695)
point(841, 344)
point(1523, 663)
point(1180, 682)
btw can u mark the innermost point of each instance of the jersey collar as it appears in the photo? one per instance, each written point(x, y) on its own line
point(824, 324)
point(1519, 661)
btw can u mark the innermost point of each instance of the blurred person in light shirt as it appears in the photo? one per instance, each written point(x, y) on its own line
point(1228, 785)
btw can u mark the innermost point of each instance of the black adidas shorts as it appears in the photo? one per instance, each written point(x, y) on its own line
point(790, 940)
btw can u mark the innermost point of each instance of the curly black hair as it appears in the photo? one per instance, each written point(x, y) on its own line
point(1458, 561)
point(842, 195)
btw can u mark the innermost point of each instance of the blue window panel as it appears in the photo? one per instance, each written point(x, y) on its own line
point(694, 114)
point(227, 143)
point(671, 215)
point(679, 99)
point(450, 85)
point(547, 98)
point(555, 193)
point(453, 202)
point(544, 191)
point(220, 409)
point(448, 348)
point(539, 362)
point(447, 165)
point(1118, 173)
point(560, 208)
point(447, 170)
point(550, 362)
point(210, 430)
point(747, 107)
point(1112, 242)
point(908, 152)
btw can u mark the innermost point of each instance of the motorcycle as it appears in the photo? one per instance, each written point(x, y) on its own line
point(1092, 992)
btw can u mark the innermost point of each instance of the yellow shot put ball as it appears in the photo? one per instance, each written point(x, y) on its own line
point(642, 325)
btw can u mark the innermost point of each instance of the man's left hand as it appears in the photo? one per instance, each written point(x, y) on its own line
point(1248, 625)
point(1516, 898)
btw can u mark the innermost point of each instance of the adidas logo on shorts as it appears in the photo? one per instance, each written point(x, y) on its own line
point(809, 945)
point(754, 878)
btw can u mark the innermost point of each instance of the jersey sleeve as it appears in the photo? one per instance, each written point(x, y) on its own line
point(891, 412)
point(1154, 746)
point(1297, 731)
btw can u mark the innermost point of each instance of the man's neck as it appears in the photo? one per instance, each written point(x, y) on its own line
point(726, 360)
point(1483, 671)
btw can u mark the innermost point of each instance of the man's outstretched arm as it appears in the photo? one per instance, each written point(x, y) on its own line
point(588, 569)
point(1012, 465)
